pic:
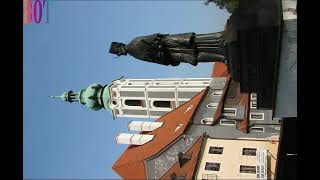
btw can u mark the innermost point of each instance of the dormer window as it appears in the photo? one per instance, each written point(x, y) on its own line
point(256, 116)
point(230, 111)
point(207, 121)
point(253, 105)
point(227, 122)
point(217, 93)
point(183, 158)
point(212, 105)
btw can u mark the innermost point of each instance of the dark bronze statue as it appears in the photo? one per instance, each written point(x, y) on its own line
point(168, 49)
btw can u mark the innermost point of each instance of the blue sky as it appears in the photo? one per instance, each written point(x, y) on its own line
point(63, 140)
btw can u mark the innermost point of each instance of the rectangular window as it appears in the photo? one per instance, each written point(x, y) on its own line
point(229, 111)
point(253, 105)
point(257, 129)
point(248, 169)
point(211, 166)
point(212, 105)
point(256, 116)
point(253, 96)
point(249, 151)
point(217, 93)
point(215, 150)
point(227, 122)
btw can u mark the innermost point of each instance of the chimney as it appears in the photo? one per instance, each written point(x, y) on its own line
point(143, 126)
point(133, 139)
point(183, 158)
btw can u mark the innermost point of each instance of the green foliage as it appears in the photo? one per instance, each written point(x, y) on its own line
point(229, 5)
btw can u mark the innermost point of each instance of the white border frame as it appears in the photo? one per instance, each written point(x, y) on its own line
point(227, 114)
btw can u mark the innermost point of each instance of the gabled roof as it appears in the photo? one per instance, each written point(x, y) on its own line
point(130, 164)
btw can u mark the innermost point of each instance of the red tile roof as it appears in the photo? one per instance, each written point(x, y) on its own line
point(130, 164)
point(218, 112)
point(219, 70)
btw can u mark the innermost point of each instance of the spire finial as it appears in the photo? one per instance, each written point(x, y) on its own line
point(63, 96)
point(54, 97)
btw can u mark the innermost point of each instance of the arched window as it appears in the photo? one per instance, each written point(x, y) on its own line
point(162, 104)
point(133, 102)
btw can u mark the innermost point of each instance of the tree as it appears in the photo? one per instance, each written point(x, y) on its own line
point(229, 5)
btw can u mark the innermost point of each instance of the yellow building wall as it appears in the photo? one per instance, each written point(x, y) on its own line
point(231, 158)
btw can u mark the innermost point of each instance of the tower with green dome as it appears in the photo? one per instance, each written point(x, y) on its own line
point(94, 97)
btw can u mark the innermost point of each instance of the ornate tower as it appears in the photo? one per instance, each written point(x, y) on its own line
point(139, 98)
point(152, 98)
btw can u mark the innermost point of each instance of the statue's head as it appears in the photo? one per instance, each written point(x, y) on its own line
point(118, 48)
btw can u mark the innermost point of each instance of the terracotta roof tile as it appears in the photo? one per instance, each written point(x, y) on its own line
point(218, 112)
point(243, 124)
point(219, 70)
point(130, 164)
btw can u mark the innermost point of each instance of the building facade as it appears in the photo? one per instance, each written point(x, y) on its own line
point(206, 128)
point(237, 159)
point(209, 137)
